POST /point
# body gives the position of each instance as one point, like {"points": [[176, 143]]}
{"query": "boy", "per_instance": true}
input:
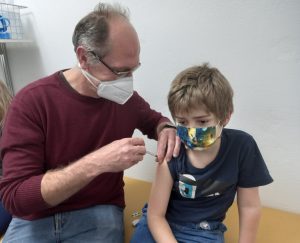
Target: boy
{"points": [[192, 193]]}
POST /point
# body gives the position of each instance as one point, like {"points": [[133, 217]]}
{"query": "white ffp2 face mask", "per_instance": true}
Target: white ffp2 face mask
{"points": [[119, 90]]}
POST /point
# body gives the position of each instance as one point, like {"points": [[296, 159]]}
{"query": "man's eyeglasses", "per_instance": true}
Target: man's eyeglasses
{"points": [[118, 73]]}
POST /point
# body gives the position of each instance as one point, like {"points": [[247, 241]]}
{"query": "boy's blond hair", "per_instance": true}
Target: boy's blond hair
{"points": [[201, 86], [5, 99]]}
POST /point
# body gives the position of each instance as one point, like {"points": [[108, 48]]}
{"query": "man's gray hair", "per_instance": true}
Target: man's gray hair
{"points": [[92, 31]]}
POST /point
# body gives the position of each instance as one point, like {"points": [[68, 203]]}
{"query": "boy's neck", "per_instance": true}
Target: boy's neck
{"points": [[200, 159]]}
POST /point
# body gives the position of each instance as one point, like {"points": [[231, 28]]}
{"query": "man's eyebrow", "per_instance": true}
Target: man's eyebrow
{"points": [[121, 69], [125, 69]]}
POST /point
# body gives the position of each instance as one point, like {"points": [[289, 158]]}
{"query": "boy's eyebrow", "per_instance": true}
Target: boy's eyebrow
{"points": [[204, 116], [178, 117], [194, 117]]}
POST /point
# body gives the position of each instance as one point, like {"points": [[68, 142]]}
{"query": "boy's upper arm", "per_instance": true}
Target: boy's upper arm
{"points": [[248, 197], [161, 190]]}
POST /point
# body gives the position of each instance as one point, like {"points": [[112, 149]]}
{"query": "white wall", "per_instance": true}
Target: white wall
{"points": [[254, 43]]}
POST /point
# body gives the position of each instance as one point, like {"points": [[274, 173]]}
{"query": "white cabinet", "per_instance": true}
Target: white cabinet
{"points": [[11, 31]]}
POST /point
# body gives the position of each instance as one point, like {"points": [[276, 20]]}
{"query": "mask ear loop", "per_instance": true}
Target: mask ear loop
{"points": [[87, 75], [220, 128]]}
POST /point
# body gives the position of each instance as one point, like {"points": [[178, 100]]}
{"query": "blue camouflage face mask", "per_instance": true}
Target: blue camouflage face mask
{"points": [[199, 138]]}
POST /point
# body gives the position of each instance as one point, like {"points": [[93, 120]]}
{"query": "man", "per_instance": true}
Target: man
{"points": [[68, 139]]}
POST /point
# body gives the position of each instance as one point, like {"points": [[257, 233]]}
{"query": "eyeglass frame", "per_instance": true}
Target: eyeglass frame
{"points": [[120, 73]]}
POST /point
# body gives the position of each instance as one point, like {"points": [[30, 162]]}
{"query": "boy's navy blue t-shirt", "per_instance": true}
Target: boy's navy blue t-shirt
{"points": [[206, 194]]}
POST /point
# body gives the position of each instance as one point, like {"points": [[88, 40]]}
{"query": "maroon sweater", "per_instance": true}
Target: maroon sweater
{"points": [[50, 125]]}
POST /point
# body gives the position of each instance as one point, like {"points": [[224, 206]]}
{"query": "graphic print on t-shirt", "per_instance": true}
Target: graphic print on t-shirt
{"points": [[187, 186], [190, 187]]}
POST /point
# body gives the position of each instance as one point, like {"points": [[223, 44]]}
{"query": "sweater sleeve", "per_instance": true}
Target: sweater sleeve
{"points": [[23, 155]]}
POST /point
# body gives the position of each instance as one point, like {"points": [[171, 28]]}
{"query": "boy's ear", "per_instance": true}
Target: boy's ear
{"points": [[227, 119]]}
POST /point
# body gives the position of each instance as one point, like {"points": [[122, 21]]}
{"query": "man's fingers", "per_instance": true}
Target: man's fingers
{"points": [[170, 148], [140, 150], [161, 148], [137, 141], [177, 146]]}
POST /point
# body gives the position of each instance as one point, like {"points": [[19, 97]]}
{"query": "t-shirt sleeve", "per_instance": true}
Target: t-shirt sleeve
{"points": [[253, 171], [176, 163], [172, 167]]}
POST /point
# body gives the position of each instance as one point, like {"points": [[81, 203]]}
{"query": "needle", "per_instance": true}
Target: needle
{"points": [[152, 154]]}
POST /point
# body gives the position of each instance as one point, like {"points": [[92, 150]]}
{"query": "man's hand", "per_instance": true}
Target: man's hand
{"points": [[168, 144], [60, 184], [120, 154]]}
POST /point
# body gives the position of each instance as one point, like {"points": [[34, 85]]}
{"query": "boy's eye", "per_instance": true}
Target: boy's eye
{"points": [[202, 122], [181, 123]]}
